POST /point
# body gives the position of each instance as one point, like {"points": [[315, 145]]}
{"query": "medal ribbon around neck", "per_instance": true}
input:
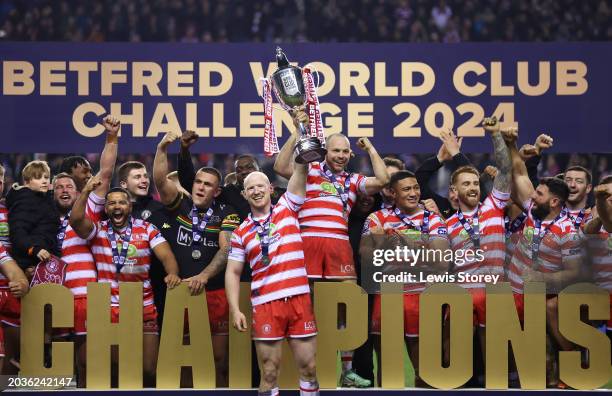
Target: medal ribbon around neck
{"points": [[119, 258]]}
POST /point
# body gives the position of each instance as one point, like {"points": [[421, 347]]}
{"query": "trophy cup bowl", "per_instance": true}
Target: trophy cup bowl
{"points": [[289, 87]]}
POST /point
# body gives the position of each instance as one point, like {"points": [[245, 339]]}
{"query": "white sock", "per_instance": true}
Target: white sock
{"points": [[347, 360], [271, 392], [309, 388]]}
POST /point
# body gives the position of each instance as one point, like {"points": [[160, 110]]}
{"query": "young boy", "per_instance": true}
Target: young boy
{"points": [[33, 216]]}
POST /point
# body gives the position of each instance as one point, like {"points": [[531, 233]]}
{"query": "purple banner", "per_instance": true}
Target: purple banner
{"points": [[52, 95]]}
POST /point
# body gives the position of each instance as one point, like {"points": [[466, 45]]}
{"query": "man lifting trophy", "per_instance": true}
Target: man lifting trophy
{"points": [[294, 87]]}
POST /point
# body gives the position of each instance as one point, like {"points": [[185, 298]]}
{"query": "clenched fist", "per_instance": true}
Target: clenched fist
{"points": [[491, 124], [111, 124]]}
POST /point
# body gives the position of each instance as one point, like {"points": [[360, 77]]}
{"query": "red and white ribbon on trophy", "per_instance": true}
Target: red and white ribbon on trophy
{"points": [[312, 107], [270, 139]]}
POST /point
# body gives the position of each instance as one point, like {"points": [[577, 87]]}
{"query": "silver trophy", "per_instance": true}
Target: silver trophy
{"points": [[288, 86]]}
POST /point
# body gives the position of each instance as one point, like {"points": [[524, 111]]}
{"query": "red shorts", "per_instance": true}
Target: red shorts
{"points": [[10, 309], [329, 258], [291, 317], [479, 305], [149, 319], [411, 315], [218, 313], [80, 319]]}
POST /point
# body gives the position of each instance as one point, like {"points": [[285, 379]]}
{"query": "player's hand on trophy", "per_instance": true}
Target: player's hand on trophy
{"points": [[188, 138], [168, 139], [364, 144], [510, 134], [491, 124], [239, 321], [543, 142], [299, 116]]}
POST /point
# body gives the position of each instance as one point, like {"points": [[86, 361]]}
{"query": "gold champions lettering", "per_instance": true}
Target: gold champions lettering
{"points": [[346, 79], [577, 304]]}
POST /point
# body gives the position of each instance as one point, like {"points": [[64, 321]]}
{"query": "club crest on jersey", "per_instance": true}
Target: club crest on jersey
{"points": [[266, 328], [328, 188], [528, 233], [412, 233], [4, 229]]}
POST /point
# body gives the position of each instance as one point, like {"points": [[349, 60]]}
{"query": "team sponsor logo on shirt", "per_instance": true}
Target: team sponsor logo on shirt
{"points": [[145, 214], [184, 238], [328, 188]]}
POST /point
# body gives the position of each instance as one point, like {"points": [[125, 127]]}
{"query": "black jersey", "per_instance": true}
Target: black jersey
{"points": [[175, 226]]}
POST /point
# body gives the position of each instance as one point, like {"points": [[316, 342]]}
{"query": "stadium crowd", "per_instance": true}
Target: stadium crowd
{"points": [[207, 21]]}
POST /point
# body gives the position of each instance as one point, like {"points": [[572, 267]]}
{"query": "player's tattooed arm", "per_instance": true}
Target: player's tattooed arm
{"points": [[503, 179]]}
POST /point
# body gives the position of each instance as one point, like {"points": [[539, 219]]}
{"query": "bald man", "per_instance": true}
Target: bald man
{"points": [[331, 193]]}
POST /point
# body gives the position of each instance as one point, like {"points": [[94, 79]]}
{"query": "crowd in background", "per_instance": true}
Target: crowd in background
{"points": [[192, 21]]}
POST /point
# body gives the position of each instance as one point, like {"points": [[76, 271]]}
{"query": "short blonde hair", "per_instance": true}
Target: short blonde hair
{"points": [[35, 170]]}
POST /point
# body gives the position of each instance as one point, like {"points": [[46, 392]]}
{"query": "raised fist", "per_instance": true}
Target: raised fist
{"points": [[490, 124], [491, 171], [543, 142], [93, 183], [111, 124], [527, 151], [364, 144], [168, 139], [510, 134], [188, 139]]}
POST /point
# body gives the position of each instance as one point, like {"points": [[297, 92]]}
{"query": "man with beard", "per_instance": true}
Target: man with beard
{"points": [[578, 180], [331, 195], [78, 168], [406, 224], [599, 241], [199, 229], [133, 177], [122, 247], [477, 226], [75, 251], [269, 242], [449, 152], [548, 250]]}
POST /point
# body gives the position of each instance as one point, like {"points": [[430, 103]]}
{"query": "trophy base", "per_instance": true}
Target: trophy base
{"points": [[308, 149]]}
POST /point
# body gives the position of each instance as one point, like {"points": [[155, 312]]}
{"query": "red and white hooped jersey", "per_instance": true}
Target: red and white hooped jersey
{"points": [[76, 253], [285, 274], [322, 214], [390, 222], [492, 233], [561, 243], [145, 237], [4, 257], [599, 248], [4, 238]]}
